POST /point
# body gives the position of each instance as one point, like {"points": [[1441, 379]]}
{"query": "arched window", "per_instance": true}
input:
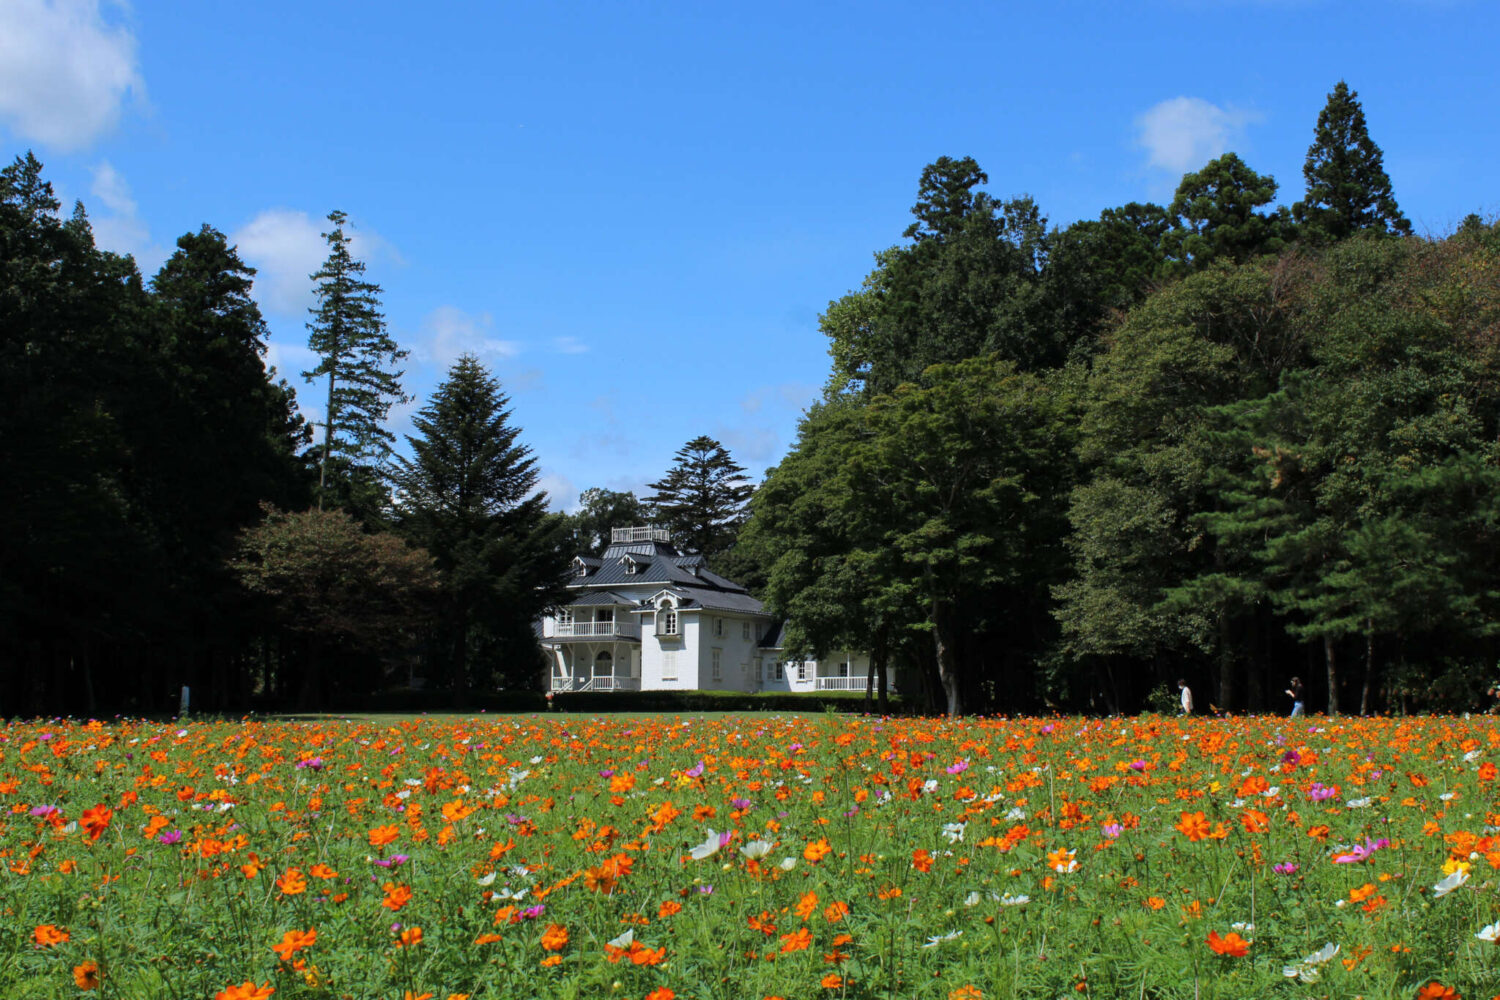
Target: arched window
{"points": [[666, 618], [604, 664]]}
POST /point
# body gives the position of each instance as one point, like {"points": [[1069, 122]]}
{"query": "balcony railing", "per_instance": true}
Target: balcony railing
{"points": [[630, 630], [843, 683], [646, 534], [596, 684]]}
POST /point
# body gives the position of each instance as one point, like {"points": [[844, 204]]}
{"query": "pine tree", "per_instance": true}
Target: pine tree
{"points": [[468, 495], [1348, 190], [1214, 216], [703, 497], [348, 332]]}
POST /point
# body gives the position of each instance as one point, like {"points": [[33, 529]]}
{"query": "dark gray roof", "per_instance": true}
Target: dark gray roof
{"points": [[589, 560], [600, 597], [649, 548], [775, 638], [719, 600]]}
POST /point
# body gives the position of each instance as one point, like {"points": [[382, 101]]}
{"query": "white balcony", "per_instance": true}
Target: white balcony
{"points": [[647, 534], [598, 630], [842, 683], [596, 683]]}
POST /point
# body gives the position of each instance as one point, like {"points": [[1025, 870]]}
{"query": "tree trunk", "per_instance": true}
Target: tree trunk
{"points": [[327, 443], [1333, 675], [946, 663], [1226, 697], [1364, 691]]}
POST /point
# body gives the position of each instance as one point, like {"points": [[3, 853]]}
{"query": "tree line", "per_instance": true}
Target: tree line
{"points": [[1217, 439], [1052, 467]]}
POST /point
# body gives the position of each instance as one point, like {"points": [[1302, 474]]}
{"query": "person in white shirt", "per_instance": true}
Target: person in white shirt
{"points": [[1187, 696]]}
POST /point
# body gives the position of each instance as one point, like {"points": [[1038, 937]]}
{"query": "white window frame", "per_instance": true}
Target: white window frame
{"points": [[803, 671], [669, 665], [564, 616], [778, 672], [716, 656]]}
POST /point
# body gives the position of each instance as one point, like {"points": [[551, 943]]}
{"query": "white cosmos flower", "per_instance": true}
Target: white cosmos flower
{"points": [[1363, 803], [972, 899], [1019, 900], [954, 831], [930, 785], [756, 849], [1451, 882], [487, 881], [933, 942], [787, 864], [1448, 796], [1490, 933], [709, 847], [623, 941], [1309, 969], [1016, 814]]}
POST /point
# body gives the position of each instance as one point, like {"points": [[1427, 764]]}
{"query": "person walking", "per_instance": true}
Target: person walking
{"points": [[1187, 696], [1295, 690]]}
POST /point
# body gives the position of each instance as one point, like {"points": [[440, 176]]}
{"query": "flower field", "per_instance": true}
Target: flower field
{"points": [[752, 857]]}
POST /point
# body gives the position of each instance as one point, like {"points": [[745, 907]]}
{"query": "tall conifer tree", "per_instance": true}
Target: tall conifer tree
{"points": [[468, 495], [348, 332], [1348, 190], [703, 497]]}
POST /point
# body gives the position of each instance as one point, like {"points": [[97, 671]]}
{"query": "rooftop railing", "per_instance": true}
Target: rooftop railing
{"points": [[646, 534]]}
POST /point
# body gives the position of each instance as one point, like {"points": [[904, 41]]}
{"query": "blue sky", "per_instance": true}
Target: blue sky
{"points": [[634, 212]]}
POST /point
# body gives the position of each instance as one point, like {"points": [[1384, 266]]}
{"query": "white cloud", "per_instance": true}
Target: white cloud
{"points": [[448, 331], [286, 246], [1184, 133], [569, 345], [562, 495], [120, 228], [65, 71]]}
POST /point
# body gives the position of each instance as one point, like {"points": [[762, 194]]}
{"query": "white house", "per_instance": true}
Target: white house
{"points": [[646, 617]]}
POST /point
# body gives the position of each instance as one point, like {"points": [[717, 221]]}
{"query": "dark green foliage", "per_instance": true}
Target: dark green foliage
{"points": [[702, 498], [349, 334], [1214, 217], [1348, 191], [468, 495], [1099, 268], [967, 285], [353, 600], [599, 512]]}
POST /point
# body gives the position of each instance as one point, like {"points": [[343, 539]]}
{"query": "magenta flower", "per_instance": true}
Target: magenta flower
{"points": [[170, 837], [1113, 830], [958, 767], [1285, 868]]}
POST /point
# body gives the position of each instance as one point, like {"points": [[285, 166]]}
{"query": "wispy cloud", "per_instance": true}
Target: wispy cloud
{"points": [[119, 227], [286, 246], [448, 332], [1184, 133], [65, 71], [569, 345]]}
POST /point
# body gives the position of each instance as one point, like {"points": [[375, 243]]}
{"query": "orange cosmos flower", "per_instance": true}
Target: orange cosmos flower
{"points": [[1255, 821], [921, 860], [86, 976], [382, 835], [291, 882], [1231, 945], [49, 936], [323, 871], [668, 908], [1193, 826], [245, 991], [817, 850], [798, 940], [409, 937], [806, 905], [834, 912], [1437, 991], [832, 981], [661, 993], [96, 820], [396, 896], [555, 938], [294, 941], [966, 993]]}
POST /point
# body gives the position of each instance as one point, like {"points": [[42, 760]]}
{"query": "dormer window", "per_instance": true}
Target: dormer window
{"points": [[631, 568], [666, 618]]}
